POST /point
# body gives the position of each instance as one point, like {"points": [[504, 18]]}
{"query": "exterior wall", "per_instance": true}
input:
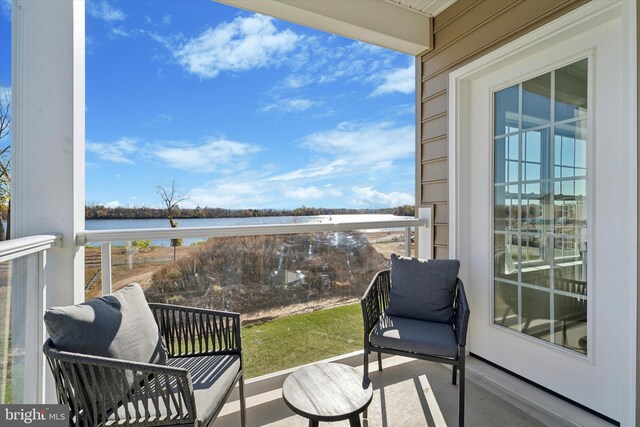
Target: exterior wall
{"points": [[462, 33]]}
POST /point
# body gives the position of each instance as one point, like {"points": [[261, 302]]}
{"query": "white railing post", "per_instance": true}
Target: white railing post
{"points": [[28, 275], [105, 263], [424, 242], [407, 241], [26, 260]]}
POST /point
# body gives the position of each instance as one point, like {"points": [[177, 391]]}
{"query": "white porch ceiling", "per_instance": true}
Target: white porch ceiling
{"points": [[402, 25], [425, 7]]}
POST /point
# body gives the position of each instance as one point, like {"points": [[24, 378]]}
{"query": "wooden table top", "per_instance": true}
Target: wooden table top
{"points": [[327, 392]]}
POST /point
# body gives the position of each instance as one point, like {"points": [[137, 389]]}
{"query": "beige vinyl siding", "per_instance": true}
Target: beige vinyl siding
{"points": [[463, 32]]}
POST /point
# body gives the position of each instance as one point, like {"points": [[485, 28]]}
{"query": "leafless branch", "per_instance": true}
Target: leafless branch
{"points": [[5, 113], [170, 197]]}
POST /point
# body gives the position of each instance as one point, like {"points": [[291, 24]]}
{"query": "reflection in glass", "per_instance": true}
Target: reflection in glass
{"points": [[506, 256], [571, 91], [506, 156], [506, 211], [570, 150], [540, 217], [506, 305], [535, 313], [506, 111], [536, 101]]}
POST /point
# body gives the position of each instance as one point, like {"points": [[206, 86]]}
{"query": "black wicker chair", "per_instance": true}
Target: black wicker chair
{"points": [[204, 365], [425, 340]]}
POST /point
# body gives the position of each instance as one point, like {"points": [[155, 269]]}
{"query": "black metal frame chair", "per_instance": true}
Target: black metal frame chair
{"points": [[374, 304], [97, 390]]}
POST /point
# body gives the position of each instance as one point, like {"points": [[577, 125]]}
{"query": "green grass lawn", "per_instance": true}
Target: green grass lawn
{"points": [[302, 338]]}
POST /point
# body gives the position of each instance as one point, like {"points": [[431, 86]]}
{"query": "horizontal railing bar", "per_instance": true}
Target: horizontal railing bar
{"points": [[16, 248], [89, 236]]}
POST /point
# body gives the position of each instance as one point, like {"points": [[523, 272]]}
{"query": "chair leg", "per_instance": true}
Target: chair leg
{"points": [[461, 388], [379, 361], [454, 375], [243, 404], [366, 361]]}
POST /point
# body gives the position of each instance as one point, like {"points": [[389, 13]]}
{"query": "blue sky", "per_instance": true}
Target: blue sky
{"points": [[242, 110]]}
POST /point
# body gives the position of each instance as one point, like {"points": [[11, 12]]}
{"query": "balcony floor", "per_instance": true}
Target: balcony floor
{"points": [[412, 392]]}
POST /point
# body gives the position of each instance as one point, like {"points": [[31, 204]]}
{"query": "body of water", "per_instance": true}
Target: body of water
{"points": [[119, 224]]}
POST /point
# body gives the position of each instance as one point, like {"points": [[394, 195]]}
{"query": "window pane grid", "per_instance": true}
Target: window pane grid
{"points": [[540, 207]]}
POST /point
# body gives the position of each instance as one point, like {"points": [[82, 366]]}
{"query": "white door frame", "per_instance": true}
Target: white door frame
{"points": [[566, 26]]}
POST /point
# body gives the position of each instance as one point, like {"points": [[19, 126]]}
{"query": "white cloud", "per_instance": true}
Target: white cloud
{"points": [[118, 32], [245, 193], [354, 147], [369, 197], [159, 120], [311, 171], [364, 143], [250, 190], [119, 151], [289, 105], [112, 204], [401, 80], [164, 20], [312, 193], [217, 155], [318, 62], [103, 10], [242, 44], [5, 7], [5, 92]]}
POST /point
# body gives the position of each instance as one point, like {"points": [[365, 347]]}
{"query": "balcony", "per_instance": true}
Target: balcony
{"points": [[408, 392], [411, 392]]}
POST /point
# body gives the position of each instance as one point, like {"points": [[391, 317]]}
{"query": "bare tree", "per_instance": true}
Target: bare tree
{"points": [[171, 198], [5, 161]]}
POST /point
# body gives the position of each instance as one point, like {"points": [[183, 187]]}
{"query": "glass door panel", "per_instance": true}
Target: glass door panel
{"points": [[540, 215]]}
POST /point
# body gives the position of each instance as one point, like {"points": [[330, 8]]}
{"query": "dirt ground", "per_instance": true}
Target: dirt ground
{"points": [[122, 273]]}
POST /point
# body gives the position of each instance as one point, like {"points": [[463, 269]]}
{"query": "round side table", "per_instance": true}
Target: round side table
{"points": [[327, 392]]}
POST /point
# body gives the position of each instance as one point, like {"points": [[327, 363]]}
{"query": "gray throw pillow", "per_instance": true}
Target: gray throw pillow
{"points": [[119, 325], [422, 289]]}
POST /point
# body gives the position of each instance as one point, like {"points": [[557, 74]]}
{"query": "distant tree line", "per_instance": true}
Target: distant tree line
{"points": [[97, 211]]}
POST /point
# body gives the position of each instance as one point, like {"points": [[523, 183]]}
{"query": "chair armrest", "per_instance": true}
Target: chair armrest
{"points": [[131, 393], [375, 299], [462, 312], [189, 331]]}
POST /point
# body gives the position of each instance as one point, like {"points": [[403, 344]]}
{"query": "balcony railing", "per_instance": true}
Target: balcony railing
{"points": [[23, 288], [107, 237], [22, 300]]}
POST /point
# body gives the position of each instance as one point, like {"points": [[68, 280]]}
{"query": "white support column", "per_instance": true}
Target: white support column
{"points": [[47, 151], [48, 135]]}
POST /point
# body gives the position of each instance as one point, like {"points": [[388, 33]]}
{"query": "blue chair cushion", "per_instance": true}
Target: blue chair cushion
{"points": [[422, 289], [212, 377], [415, 336], [119, 326]]}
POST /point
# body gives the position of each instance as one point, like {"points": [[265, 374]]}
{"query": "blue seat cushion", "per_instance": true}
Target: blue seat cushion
{"points": [[415, 336], [422, 289], [212, 377], [118, 325]]}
